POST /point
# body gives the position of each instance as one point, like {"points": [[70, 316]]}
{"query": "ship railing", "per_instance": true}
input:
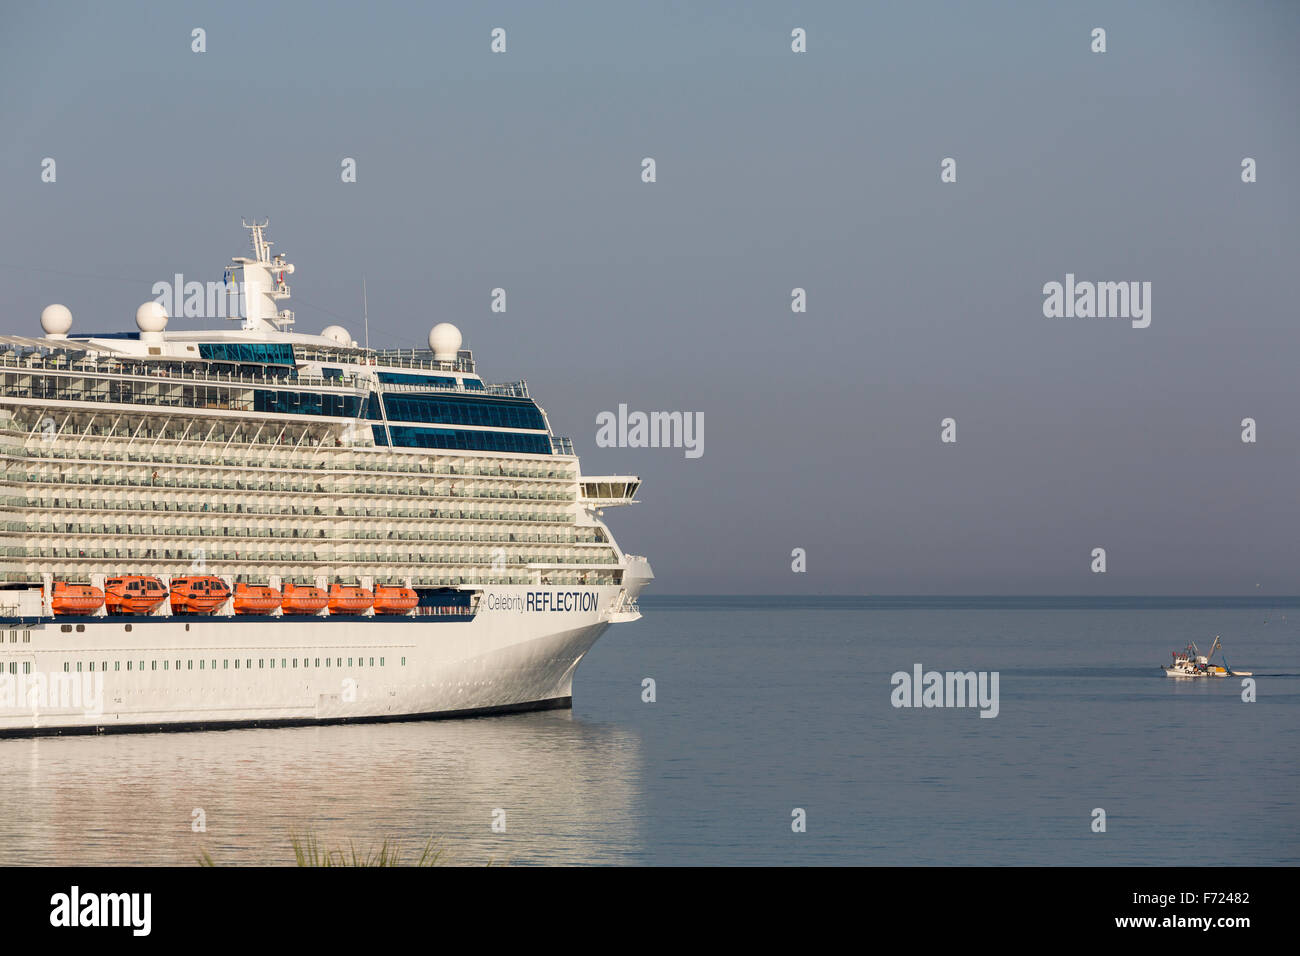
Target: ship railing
{"points": [[41, 453], [153, 371], [423, 358], [507, 389], [249, 556], [101, 390], [625, 604]]}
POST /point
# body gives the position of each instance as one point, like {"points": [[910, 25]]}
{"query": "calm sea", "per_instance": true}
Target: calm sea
{"points": [[763, 705]]}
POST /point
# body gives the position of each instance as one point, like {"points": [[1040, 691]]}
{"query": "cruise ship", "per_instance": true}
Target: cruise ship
{"points": [[252, 526]]}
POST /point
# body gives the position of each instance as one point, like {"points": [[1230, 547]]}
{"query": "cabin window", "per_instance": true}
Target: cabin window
{"points": [[318, 662], [27, 667], [128, 627], [381, 662], [117, 665], [80, 628], [66, 628], [372, 662], [403, 661], [78, 667], [282, 662], [225, 664], [65, 667], [236, 663]]}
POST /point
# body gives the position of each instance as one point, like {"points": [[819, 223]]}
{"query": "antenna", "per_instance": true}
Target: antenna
{"points": [[365, 310]]}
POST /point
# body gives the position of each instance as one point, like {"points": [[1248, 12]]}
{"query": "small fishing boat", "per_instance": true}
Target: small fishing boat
{"points": [[256, 599], [198, 594], [394, 600], [303, 599], [1191, 663], [349, 599], [68, 598], [134, 594]]}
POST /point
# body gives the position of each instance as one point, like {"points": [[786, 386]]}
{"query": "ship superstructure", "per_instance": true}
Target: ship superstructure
{"points": [[435, 514]]}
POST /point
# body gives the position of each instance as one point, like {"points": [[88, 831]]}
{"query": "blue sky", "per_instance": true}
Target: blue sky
{"points": [[775, 170]]}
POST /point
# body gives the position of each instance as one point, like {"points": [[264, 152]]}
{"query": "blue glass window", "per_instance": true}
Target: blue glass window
{"points": [[265, 353], [306, 403], [402, 378], [455, 410], [444, 597], [407, 437]]}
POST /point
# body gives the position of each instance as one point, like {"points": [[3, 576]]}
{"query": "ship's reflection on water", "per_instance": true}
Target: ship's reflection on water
{"points": [[570, 791]]}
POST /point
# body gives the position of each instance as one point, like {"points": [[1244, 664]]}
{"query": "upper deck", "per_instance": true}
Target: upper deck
{"points": [[396, 398], [267, 454]]}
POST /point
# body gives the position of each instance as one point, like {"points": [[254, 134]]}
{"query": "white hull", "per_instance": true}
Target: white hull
{"points": [[511, 656], [1190, 675]]}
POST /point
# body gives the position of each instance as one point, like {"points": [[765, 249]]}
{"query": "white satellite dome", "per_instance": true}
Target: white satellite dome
{"points": [[151, 317], [55, 321], [444, 339], [338, 334]]}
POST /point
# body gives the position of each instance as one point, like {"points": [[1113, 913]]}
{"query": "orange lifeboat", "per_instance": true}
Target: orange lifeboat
{"points": [[76, 598], [199, 594], [301, 599], [347, 599], [256, 599], [134, 594], [394, 600]]}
